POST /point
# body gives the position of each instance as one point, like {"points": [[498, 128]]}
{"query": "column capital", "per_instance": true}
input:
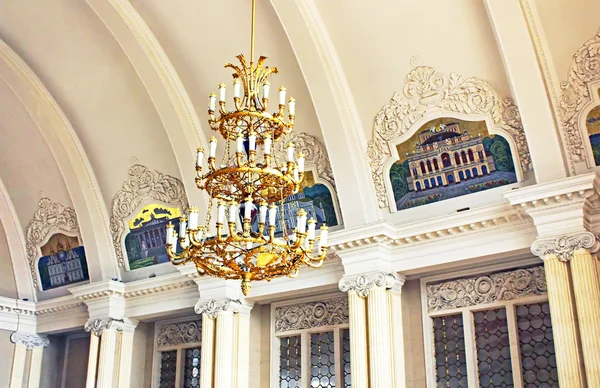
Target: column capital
{"points": [[213, 307], [563, 246], [362, 283], [97, 326], [30, 340]]}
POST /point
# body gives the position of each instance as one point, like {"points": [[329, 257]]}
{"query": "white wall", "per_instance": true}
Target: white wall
{"points": [[8, 287], [52, 363], [76, 362], [413, 334], [6, 351]]}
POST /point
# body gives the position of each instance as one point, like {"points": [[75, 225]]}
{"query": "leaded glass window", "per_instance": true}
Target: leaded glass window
{"points": [[346, 357], [191, 369], [536, 341], [322, 360], [168, 369], [493, 350], [290, 362], [449, 337]]}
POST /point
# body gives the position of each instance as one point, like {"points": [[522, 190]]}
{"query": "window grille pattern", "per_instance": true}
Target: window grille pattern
{"points": [[322, 360], [346, 357], [289, 362], [536, 341], [191, 371], [449, 341], [168, 369], [493, 349]]}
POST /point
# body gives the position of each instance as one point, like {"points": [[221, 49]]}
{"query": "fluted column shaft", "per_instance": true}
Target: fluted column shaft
{"points": [[35, 367], [18, 366], [126, 356], [380, 350], [242, 330], [359, 371], [108, 358], [586, 287], [564, 323], [224, 350], [208, 348], [396, 327], [92, 361]]}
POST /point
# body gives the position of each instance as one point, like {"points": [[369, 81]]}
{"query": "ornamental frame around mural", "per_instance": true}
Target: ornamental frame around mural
{"points": [[428, 95], [577, 96], [48, 219], [132, 197], [39, 246]]}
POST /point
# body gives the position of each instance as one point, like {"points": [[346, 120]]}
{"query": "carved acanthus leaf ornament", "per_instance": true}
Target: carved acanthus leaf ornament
{"points": [[575, 95], [426, 90], [180, 333], [311, 315], [486, 289], [49, 217], [29, 340], [142, 184], [564, 246], [362, 283], [213, 307]]}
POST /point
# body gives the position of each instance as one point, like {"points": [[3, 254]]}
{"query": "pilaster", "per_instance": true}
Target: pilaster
{"points": [[25, 343]]}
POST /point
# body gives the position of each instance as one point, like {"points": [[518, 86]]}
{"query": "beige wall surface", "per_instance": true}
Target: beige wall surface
{"points": [[6, 352], [260, 346], [413, 334], [138, 364], [148, 357], [76, 362], [8, 287], [53, 362]]}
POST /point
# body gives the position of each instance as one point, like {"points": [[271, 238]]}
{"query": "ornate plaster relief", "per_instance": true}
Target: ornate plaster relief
{"points": [[311, 315], [564, 246], [180, 333], [428, 94], [141, 185]]}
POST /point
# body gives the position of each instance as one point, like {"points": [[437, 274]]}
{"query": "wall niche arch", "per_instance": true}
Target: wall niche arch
{"points": [[428, 95]]}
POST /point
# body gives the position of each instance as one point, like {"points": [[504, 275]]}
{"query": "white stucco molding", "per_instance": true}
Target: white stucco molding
{"points": [[564, 246], [16, 246], [71, 159], [29, 340], [334, 103], [162, 82]]}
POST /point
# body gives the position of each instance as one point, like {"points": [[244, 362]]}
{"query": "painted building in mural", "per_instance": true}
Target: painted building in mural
{"points": [[145, 243], [63, 262], [445, 155], [592, 123], [448, 158]]}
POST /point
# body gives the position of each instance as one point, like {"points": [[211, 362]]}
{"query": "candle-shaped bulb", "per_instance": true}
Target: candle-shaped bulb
{"points": [[312, 224], [252, 141], [262, 212], [222, 89], [232, 211], [212, 102], [296, 175], [199, 157], [266, 89], [237, 88], [290, 152], [175, 240], [248, 208], [221, 213], [182, 225], [193, 218], [267, 143], [300, 162], [272, 214], [170, 230], [292, 106], [301, 221], [323, 236], [213, 147], [240, 143], [282, 95]]}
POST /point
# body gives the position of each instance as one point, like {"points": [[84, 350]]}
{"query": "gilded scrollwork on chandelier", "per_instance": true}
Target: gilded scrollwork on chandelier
{"points": [[426, 90]]}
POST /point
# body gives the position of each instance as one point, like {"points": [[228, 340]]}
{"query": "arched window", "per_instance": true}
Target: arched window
{"points": [[429, 166], [457, 158], [432, 180], [426, 184], [475, 173], [480, 156], [484, 170], [422, 168], [461, 175], [463, 156], [468, 174], [418, 184], [440, 181], [446, 160], [450, 178], [435, 165], [471, 157]]}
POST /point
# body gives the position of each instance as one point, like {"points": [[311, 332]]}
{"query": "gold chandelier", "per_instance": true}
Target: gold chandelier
{"points": [[248, 245]]}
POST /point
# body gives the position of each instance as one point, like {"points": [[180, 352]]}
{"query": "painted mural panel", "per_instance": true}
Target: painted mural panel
{"points": [[63, 262], [145, 242], [448, 158], [593, 127], [315, 198]]}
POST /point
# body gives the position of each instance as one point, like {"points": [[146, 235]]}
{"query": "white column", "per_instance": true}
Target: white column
{"points": [[380, 349], [396, 327], [92, 361], [224, 346], [208, 352], [35, 367], [518, 52], [23, 343], [126, 355], [108, 358], [359, 370], [18, 367], [243, 349]]}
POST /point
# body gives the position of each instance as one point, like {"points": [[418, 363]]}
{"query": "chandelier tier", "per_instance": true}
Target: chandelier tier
{"points": [[254, 237]]}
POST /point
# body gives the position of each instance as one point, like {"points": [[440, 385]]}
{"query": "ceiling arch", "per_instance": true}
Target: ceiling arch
{"points": [[70, 157]]}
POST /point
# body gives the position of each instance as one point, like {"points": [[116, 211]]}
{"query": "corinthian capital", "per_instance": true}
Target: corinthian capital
{"points": [[362, 283], [564, 246], [29, 340]]}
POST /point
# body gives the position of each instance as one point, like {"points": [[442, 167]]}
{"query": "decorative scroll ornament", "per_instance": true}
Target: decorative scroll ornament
{"points": [[180, 333], [48, 217], [486, 289], [585, 69], [362, 283], [314, 152], [424, 90], [29, 340], [215, 306], [142, 184], [564, 246], [97, 326], [311, 315]]}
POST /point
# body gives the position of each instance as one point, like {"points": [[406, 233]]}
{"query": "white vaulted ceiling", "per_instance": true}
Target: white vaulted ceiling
{"points": [[131, 78]]}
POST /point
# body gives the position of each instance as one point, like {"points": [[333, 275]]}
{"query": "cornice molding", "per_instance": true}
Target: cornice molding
{"points": [[558, 192], [29, 340], [363, 283], [564, 246]]}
